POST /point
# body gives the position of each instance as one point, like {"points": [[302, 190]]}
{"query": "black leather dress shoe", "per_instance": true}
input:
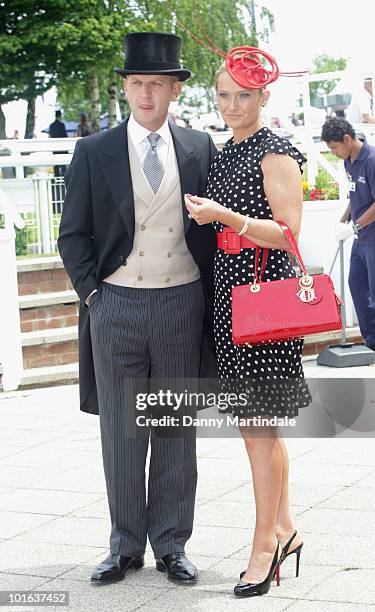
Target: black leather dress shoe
{"points": [[114, 568], [179, 568]]}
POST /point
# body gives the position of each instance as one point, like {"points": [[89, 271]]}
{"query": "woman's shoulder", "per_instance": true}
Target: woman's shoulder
{"points": [[277, 145]]}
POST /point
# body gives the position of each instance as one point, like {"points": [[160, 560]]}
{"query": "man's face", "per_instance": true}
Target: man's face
{"points": [[149, 96], [343, 149]]}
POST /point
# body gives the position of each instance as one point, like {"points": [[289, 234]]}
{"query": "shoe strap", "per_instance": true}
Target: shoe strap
{"points": [[287, 545]]}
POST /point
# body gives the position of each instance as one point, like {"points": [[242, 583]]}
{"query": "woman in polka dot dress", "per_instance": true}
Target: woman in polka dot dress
{"points": [[257, 178]]}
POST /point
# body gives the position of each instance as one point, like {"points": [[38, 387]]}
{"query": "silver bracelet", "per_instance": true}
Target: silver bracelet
{"points": [[245, 226]]}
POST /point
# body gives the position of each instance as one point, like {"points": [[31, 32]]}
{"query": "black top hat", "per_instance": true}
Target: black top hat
{"points": [[153, 53]]}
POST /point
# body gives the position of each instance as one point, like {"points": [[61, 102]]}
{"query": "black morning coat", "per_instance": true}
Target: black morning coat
{"points": [[97, 229]]}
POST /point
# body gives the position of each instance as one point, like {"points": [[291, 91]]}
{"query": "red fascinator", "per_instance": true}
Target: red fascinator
{"points": [[244, 64]]}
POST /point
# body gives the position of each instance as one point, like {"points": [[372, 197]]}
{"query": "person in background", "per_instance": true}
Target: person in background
{"points": [[16, 135], [57, 129], [360, 109], [358, 219], [83, 128]]}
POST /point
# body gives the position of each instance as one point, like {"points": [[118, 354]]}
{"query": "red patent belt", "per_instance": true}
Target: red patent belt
{"points": [[231, 242]]}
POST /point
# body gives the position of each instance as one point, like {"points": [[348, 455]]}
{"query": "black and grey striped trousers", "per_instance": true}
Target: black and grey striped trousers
{"points": [[140, 334]]}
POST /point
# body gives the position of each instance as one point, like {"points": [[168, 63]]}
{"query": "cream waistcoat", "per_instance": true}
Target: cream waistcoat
{"points": [[160, 256]]}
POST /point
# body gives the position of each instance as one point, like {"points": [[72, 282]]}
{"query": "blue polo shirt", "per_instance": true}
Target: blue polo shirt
{"points": [[361, 174]]}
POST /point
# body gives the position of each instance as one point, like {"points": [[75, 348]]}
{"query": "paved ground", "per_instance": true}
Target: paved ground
{"points": [[54, 521]]}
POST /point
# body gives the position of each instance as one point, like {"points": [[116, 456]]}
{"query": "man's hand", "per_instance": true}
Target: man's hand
{"points": [[343, 231]]}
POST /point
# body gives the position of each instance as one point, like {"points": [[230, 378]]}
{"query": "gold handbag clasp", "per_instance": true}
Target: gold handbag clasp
{"points": [[306, 293]]}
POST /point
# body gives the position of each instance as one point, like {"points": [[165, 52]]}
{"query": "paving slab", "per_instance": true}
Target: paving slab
{"points": [[56, 503], [344, 451], [22, 476], [351, 498], [327, 606], [16, 523], [354, 586], [108, 598], [330, 521], [87, 479], [182, 600], [18, 556], [55, 458], [68, 530], [98, 509], [325, 473]]}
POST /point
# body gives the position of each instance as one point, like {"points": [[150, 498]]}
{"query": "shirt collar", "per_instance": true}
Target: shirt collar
{"points": [[138, 133], [363, 152]]}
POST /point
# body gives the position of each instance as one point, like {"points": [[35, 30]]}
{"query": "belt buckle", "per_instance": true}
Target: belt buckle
{"points": [[231, 241]]}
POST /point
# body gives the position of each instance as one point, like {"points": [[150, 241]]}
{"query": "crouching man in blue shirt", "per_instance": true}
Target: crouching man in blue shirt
{"points": [[359, 161]]}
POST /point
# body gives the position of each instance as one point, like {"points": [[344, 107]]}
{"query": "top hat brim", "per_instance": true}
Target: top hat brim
{"points": [[181, 73]]}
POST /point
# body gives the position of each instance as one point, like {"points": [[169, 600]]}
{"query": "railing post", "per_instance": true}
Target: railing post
{"points": [[10, 327], [312, 165], [44, 211]]}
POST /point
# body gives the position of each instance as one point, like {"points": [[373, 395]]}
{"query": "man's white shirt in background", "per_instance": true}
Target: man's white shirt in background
{"points": [[360, 105]]}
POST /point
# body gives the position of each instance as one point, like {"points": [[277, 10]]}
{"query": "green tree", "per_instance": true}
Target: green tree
{"points": [[76, 43], [92, 41], [29, 51], [325, 63], [43, 43], [222, 20]]}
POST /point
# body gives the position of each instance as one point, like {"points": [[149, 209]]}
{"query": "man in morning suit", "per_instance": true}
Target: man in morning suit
{"points": [[143, 271]]}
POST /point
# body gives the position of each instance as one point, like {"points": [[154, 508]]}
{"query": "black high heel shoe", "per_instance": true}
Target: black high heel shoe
{"points": [[251, 589], [285, 552]]}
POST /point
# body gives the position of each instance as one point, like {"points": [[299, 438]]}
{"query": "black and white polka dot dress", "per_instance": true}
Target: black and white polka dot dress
{"points": [[236, 181]]}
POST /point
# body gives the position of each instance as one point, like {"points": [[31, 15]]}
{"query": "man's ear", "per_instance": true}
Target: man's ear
{"points": [[125, 84], [347, 139], [177, 87]]}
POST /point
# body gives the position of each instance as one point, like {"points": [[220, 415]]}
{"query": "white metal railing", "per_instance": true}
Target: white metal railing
{"points": [[39, 200], [10, 327], [40, 197], [36, 153]]}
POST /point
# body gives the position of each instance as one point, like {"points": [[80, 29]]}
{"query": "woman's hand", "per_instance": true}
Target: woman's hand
{"points": [[203, 210]]}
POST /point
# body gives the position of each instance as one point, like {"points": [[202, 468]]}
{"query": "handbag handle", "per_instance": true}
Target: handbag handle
{"points": [[293, 247], [293, 244]]}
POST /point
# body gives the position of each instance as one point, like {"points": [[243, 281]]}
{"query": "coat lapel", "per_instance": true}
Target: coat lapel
{"points": [[188, 166], [114, 160]]}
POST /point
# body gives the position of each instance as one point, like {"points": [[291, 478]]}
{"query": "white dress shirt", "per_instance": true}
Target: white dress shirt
{"points": [[138, 135]]}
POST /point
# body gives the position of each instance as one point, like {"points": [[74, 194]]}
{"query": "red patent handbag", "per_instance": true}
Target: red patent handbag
{"points": [[284, 309]]}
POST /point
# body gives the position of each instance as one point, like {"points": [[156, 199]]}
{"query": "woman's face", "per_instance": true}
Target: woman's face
{"points": [[239, 107]]}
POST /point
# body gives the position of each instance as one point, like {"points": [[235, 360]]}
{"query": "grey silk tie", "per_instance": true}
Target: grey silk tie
{"points": [[152, 166]]}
